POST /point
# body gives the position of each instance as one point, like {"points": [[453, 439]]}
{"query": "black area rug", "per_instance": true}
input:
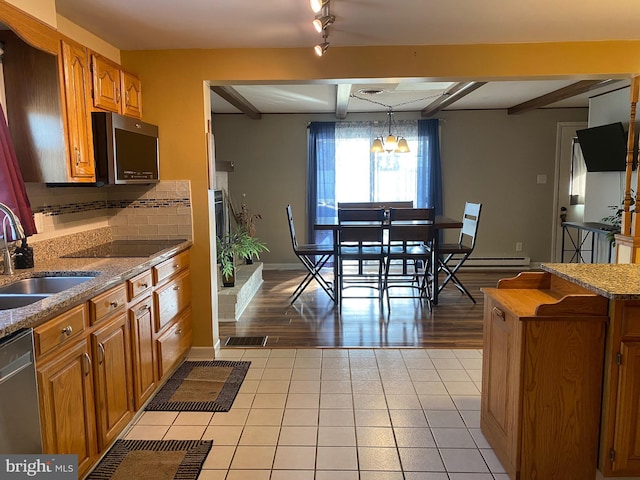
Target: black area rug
{"points": [[153, 460], [206, 386]]}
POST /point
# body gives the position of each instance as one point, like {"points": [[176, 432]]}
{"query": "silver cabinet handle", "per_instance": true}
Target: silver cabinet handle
{"points": [[114, 304], [178, 331], [67, 331], [499, 313], [143, 309], [144, 285], [177, 287]]}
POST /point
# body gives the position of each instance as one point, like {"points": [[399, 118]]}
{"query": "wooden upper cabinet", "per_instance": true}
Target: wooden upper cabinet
{"points": [[106, 84], [131, 94], [115, 90], [76, 78]]}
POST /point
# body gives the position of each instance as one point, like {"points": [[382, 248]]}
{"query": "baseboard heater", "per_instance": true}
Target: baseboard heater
{"points": [[498, 262]]}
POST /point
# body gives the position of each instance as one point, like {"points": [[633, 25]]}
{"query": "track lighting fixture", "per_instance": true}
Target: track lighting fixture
{"points": [[321, 23], [321, 48], [317, 5]]}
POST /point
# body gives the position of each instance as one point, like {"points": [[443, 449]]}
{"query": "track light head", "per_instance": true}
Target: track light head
{"points": [[321, 48], [322, 23], [317, 5]]}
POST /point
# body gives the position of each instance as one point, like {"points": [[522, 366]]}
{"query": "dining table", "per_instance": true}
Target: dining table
{"points": [[440, 223]]}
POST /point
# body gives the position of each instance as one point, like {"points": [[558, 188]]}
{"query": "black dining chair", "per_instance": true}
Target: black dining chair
{"points": [[385, 205], [361, 250], [408, 257], [451, 256], [314, 257]]}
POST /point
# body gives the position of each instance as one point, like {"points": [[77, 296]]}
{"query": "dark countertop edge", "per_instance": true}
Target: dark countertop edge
{"points": [[591, 284], [108, 272]]}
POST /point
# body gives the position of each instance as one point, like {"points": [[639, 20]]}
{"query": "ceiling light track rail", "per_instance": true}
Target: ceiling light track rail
{"points": [[321, 23]]}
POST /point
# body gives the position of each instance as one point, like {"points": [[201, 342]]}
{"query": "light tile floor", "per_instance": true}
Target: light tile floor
{"points": [[343, 414]]}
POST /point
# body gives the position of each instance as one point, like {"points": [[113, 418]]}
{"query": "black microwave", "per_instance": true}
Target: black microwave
{"points": [[125, 149]]}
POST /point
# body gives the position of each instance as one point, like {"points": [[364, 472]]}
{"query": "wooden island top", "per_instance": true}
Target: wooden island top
{"points": [[612, 281]]}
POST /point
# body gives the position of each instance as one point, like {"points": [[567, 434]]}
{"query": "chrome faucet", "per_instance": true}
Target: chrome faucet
{"points": [[17, 233]]}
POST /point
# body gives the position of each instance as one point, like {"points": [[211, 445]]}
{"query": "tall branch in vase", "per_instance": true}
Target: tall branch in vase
{"points": [[244, 218]]}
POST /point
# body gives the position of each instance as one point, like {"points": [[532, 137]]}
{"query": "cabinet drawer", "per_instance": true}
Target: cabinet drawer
{"points": [[139, 285], [164, 270], [60, 330], [174, 343], [106, 303], [631, 320], [172, 298]]}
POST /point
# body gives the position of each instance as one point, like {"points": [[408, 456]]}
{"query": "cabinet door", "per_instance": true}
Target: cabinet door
{"points": [[112, 371], [65, 386], [501, 396], [627, 431], [174, 343], [131, 95], [106, 84], [144, 370], [75, 72]]}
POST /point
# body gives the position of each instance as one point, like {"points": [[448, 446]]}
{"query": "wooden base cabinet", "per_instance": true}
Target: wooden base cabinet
{"points": [[65, 387], [99, 362], [112, 372], [620, 437], [542, 376], [143, 351]]}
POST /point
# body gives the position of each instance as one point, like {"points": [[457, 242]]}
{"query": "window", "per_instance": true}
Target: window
{"points": [[362, 176], [342, 168]]}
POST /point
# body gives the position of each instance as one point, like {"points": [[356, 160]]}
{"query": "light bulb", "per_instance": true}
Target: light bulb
{"points": [[376, 146], [316, 5], [390, 144], [403, 146], [321, 48]]}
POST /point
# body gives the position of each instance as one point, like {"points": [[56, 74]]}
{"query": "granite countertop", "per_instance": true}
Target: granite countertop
{"points": [[108, 273], [613, 281]]}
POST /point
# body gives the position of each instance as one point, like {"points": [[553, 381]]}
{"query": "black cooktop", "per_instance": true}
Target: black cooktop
{"points": [[125, 248]]}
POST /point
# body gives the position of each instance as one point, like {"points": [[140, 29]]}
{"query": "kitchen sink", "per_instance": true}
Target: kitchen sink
{"points": [[8, 301], [42, 285]]}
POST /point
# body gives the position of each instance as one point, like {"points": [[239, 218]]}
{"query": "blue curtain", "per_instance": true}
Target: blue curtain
{"points": [[321, 195], [429, 169]]}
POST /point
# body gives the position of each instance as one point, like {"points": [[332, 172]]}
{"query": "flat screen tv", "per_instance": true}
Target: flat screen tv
{"points": [[604, 148]]}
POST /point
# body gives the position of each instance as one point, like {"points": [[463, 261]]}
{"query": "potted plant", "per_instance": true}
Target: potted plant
{"points": [[245, 220], [236, 245], [615, 219]]}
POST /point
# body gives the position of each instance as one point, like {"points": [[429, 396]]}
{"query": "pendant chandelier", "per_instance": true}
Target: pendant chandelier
{"points": [[391, 143]]}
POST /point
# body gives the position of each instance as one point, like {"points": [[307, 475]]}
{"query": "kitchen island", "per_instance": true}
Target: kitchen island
{"points": [[561, 372]]}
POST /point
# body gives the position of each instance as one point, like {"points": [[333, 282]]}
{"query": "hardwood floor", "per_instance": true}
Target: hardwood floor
{"points": [[313, 321]]}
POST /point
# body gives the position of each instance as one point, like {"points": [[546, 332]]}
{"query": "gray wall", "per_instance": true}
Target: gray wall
{"points": [[487, 156]]}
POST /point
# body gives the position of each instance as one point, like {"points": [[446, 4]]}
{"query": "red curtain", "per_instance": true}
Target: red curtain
{"points": [[12, 190]]}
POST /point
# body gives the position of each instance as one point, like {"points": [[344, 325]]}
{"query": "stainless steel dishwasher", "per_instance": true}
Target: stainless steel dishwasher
{"points": [[19, 410]]}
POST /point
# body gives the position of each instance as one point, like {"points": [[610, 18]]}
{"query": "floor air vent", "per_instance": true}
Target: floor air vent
{"points": [[246, 342]]}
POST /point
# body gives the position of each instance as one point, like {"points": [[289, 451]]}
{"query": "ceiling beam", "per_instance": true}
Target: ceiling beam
{"points": [[453, 94], [563, 93], [343, 94], [232, 96]]}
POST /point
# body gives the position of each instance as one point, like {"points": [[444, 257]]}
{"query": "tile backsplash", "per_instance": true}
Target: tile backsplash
{"points": [[160, 211]]}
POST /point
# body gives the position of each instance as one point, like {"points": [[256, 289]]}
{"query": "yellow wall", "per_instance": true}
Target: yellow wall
{"points": [[173, 98]]}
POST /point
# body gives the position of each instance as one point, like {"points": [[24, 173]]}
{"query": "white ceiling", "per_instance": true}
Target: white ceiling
{"points": [[163, 24]]}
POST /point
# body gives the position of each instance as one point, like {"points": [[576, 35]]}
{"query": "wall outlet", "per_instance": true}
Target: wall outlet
{"points": [[518, 246], [541, 179]]}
